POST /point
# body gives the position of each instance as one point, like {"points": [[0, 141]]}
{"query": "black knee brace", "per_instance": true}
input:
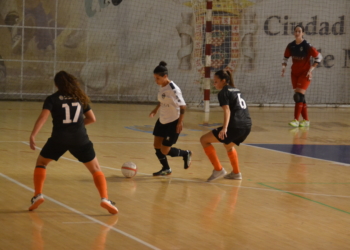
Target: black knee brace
{"points": [[298, 97]]}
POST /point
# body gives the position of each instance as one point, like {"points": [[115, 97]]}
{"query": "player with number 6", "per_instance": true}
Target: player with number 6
{"points": [[70, 111], [236, 126]]}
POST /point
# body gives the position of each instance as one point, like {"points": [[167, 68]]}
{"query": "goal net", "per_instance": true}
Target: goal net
{"points": [[112, 46]]}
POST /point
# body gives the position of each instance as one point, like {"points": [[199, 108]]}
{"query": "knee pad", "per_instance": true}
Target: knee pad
{"points": [[298, 97]]}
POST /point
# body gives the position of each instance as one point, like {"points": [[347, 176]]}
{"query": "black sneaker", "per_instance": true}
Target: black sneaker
{"points": [[187, 159], [163, 172]]}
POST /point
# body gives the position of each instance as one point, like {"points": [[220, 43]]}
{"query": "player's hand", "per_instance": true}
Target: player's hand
{"points": [[179, 127], [152, 114], [32, 142], [283, 71], [223, 133], [309, 75]]}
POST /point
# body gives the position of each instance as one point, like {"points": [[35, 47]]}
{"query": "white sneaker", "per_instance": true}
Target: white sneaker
{"points": [[233, 176], [36, 201], [109, 205], [294, 123], [304, 123], [217, 174]]}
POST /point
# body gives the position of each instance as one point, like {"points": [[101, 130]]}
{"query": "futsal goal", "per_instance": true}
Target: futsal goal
{"points": [[112, 46]]}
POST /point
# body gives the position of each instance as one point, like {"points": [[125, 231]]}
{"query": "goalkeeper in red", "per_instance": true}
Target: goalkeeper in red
{"points": [[301, 52]]}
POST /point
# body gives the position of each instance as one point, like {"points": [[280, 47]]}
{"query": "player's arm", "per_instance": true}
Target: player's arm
{"points": [[285, 60], [89, 117], [181, 119], [37, 127], [227, 114], [317, 59], [154, 111]]}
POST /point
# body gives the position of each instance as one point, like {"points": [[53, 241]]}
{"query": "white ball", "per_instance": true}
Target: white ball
{"points": [[129, 169]]}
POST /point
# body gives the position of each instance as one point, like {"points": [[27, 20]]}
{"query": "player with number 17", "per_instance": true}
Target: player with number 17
{"points": [[70, 111], [236, 126]]}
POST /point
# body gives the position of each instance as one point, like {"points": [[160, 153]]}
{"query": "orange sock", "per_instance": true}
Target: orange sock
{"points": [[39, 178], [211, 153], [100, 183], [234, 160]]}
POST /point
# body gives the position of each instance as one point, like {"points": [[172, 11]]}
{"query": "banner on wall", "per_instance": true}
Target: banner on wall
{"points": [[113, 46]]}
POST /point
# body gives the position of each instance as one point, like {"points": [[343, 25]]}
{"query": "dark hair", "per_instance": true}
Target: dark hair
{"points": [[225, 75], [301, 27], [68, 85], [161, 69]]}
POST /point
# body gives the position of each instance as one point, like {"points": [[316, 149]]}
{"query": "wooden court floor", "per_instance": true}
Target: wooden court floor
{"points": [[285, 201]]}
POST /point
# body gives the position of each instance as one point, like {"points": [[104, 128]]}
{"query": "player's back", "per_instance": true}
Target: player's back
{"points": [[240, 117], [67, 118]]}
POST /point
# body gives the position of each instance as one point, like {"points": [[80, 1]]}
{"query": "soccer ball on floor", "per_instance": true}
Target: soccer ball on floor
{"points": [[129, 169]]}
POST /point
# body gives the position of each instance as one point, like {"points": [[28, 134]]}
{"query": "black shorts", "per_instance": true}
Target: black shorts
{"points": [[53, 150], [167, 131], [235, 135]]}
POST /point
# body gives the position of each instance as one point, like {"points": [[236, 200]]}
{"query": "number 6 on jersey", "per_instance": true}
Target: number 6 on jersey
{"points": [[241, 101]]}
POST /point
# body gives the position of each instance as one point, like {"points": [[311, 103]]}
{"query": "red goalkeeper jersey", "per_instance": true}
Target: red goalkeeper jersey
{"points": [[301, 54]]}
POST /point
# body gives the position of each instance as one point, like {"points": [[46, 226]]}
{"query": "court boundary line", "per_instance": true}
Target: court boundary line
{"points": [[302, 197], [339, 163], [204, 182], [81, 214]]}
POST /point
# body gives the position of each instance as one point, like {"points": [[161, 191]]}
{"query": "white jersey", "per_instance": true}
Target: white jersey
{"points": [[170, 99]]}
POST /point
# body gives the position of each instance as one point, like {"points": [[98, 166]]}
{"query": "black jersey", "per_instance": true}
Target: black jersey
{"points": [[232, 97], [67, 119]]}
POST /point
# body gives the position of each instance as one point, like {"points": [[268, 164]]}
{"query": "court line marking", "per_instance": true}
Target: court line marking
{"points": [[81, 222], [302, 197], [81, 214], [339, 163], [310, 183], [204, 182]]}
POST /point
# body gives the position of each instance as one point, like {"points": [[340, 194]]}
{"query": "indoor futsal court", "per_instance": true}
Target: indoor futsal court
{"points": [[234, 71], [294, 193]]}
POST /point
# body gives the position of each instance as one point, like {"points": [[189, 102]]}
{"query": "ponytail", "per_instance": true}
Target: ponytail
{"points": [[225, 75], [231, 83]]}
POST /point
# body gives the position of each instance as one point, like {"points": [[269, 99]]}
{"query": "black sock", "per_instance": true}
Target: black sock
{"points": [[175, 152], [162, 159]]}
